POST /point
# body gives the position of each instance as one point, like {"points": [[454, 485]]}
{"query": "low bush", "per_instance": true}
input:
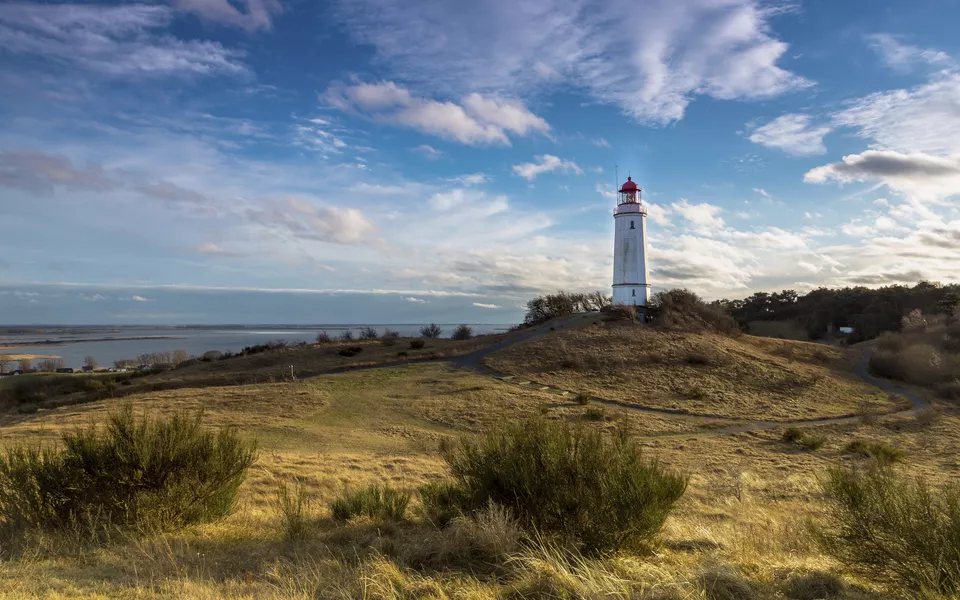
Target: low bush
{"points": [[462, 332], [443, 501], [368, 333], [346, 335], [887, 524], [389, 337], [590, 490], [595, 413], [293, 507], [949, 390], [620, 312], [683, 309], [582, 398], [724, 583], [324, 338], [346, 352], [881, 452], [803, 438], [815, 585], [417, 344], [403, 353], [699, 357], [136, 473], [431, 331], [381, 503]]}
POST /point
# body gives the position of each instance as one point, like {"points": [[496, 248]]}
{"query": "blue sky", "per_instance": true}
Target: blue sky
{"points": [[383, 161]]}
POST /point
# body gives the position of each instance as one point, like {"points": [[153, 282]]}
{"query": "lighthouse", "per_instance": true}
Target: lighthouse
{"points": [[630, 247]]}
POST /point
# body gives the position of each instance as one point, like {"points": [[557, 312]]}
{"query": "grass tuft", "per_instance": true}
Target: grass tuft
{"points": [[380, 503], [293, 507], [881, 452]]}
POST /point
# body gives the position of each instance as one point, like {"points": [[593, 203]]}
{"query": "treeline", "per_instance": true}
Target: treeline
{"points": [[869, 312], [561, 304]]}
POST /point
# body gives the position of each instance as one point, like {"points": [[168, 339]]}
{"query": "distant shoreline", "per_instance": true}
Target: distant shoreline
{"points": [[11, 345]]}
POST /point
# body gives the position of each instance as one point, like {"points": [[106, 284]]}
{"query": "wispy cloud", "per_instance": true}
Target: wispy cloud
{"points": [[903, 57], [482, 305], [794, 133], [257, 14], [546, 163]]}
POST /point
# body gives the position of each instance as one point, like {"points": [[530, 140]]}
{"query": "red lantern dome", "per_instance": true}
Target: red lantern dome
{"points": [[629, 186]]}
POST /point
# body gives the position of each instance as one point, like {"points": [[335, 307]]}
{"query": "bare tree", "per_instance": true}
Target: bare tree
{"points": [[179, 356], [49, 365], [5, 359], [25, 365], [90, 362], [431, 331]]}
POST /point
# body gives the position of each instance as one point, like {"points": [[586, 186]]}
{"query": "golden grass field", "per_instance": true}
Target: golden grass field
{"points": [[743, 518]]}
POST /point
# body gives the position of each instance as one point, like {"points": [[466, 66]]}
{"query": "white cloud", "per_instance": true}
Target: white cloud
{"points": [[546, 163], [601, 142], [902, 57], [922, 176], [762, 192], [701, 216], [606, 190], [39, 172], [114, 40], [212, 249], [429, 151], [470, 179], [920, 119], [301, 218], [482, 305], [136, 298], [478, 120], [792, 133], [415, 300], [724, 50], [257, 14]]}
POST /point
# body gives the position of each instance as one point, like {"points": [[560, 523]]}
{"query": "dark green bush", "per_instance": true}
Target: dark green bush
{"points": [[368, 333], [443, 501], [582, 398], [881, 452], [346, 352], [792, 434], [431, 331], [462, 332], [949, 390], [138, 473], [293, 507], [382, 503], [417, 344], [595, 413], [591, 490], [683, 309], [803, 438], [887, 524]]}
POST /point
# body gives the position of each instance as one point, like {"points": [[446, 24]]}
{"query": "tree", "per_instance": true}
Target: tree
{"points": [[25, 365], [179, 356], [90, 363], [5, 359], [431, 331], [49, 365], [462, 332]]}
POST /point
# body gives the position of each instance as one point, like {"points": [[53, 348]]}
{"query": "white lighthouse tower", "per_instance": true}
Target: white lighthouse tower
{"points": [[630, 248]]}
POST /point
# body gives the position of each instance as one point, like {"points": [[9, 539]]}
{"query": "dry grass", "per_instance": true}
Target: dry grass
{"points": [[707, 374], [745, 511]]}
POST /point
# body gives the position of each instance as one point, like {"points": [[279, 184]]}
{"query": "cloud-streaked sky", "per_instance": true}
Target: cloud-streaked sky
{"points": [[384, 161]]}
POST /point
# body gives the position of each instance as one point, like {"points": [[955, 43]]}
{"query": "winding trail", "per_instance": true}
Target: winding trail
{"points": [[474, 361]]}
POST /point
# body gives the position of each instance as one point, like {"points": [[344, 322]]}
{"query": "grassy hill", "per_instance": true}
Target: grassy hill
{"points": [[738, 533]]}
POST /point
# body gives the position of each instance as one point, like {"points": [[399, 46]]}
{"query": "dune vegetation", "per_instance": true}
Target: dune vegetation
{"points": [[432, 481]]}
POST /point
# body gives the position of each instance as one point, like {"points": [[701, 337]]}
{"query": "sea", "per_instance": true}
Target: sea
{"points": [[108, 343]]}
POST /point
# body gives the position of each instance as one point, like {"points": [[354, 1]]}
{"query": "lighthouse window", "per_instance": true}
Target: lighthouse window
{"points": [[631, 224]]}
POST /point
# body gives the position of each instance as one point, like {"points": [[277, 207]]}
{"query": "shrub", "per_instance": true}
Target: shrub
{"points": [[381, 503], [885, 523], [462, 332], [884, 363], [594, 413], [561, 304], [949, 390], [620, 312], [579, 485], [293, 507], [881, 452], [802, 438], [812, 442], [683, 309], [443, 501], [346, 335], [138, 473], [582, 398], [368, 333], [815, 585], [389, 337], [699, 357], [324, 338], [720, 583], [403, 353], [431, 331], [417, 344]]}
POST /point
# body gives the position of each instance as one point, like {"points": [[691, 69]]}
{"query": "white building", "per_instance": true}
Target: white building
{"points": [[630, 248]]}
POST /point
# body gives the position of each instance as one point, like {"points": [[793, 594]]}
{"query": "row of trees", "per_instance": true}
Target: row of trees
{"points": [[561, 304], [868, 311]]}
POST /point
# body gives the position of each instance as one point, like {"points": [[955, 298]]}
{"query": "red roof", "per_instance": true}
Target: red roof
{"points": [[630, 186]]}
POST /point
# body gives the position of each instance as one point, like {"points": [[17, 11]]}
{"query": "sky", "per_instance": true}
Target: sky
{"points": [[407, 161]]}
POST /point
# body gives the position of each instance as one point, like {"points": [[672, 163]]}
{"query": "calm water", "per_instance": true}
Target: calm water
{"points": [[194, 340]]}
